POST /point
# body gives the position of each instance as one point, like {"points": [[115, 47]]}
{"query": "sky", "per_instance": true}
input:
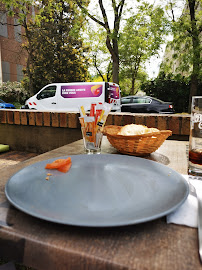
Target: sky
{"points": [[152, 66]]}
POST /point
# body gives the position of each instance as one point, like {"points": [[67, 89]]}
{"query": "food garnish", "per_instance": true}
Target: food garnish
{"points": [[62, 165], [65, 168]]}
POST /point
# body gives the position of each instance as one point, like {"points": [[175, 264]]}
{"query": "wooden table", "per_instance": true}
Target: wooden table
{"points": [[45, 245]]}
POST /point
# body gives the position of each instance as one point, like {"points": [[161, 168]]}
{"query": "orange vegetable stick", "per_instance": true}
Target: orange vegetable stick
{"points": [[65, 168], [58, 163]]}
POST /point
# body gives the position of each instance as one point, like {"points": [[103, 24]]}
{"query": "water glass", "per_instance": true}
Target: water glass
{"points": [[195, 139], [92, 142]]}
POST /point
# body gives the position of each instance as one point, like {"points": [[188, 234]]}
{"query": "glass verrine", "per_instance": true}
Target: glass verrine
{"points": [[195, 139], [92, 144], [92, 126]]}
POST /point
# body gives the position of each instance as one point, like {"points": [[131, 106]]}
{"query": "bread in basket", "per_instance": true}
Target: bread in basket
{"points": [[137, 145]]}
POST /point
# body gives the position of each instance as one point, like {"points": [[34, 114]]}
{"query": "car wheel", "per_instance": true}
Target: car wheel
{"points": [[24, 107]]}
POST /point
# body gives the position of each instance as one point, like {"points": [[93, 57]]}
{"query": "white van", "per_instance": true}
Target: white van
{"points": [[69, 96]]}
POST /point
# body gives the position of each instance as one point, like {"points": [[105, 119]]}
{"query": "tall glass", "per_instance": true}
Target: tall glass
{"points": [[92, 146], [195, 139], [92, 136], [92, 126]]}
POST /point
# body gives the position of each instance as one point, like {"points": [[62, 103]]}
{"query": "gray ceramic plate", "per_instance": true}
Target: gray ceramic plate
{"points": [[98, 191]]}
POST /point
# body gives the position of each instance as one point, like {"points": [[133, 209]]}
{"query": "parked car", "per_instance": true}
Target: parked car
{"points": [[4, 105], [145, 104]]}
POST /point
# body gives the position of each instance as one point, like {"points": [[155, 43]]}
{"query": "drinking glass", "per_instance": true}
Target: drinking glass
{"points": [[195, 139], [92, 143]]}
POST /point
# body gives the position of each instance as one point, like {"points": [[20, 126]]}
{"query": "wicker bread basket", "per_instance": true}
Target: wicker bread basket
{"points": [[137, 145]]}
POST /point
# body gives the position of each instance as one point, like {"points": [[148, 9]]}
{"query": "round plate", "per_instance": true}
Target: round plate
{"points": [[98, 191]]}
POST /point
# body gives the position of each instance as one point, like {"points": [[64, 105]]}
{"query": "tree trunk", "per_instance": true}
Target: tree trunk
{"points": [[29, 49], [109, 71], [112, 37], [96, 66], [31, 89], [116, 71], [193, 90], [112, 46], [196, 53], [134, 75], [133, 86]]}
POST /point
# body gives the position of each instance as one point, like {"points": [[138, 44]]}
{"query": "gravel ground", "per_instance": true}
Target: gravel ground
{"points": [[14, 157]]}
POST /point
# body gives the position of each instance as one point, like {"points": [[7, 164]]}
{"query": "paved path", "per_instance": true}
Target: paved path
{"points": [[14, 157]]}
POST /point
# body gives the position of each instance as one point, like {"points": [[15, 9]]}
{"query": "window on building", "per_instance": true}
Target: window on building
{"points": [[3, 25], [17, 30], [6, 71], [19, 73]]}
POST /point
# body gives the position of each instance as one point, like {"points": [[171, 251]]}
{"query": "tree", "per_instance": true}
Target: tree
{"points": [[195, 30], [20, 9], [100, 64], [55, 51], [112, 35], [58, 50], [141, 39], [169, 87], [186, 45]]}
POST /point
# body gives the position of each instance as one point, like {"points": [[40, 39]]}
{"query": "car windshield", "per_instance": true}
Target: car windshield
{"points": [[141, 100], [125, 100], [1, 101], [158, 100]]}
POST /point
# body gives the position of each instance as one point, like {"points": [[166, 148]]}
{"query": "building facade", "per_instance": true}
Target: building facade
{"points": [[12, 55]]}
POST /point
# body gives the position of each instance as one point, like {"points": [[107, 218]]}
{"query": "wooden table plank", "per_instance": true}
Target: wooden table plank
{"points": [[45, 245]]}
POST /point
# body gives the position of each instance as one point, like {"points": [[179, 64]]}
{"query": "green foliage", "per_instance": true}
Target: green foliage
{"points": [[186, 46], [111, 34], [52, 40], [98, 54], [125, 82], [13, 92], [141, 39], [56, 51], [170, 88]]}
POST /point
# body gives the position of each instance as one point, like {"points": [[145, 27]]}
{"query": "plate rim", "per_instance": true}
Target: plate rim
{"points": [[119, 224]]}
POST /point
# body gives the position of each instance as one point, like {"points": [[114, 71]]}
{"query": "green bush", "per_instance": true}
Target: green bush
{"points": [[170, 88], [13, 92]]}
